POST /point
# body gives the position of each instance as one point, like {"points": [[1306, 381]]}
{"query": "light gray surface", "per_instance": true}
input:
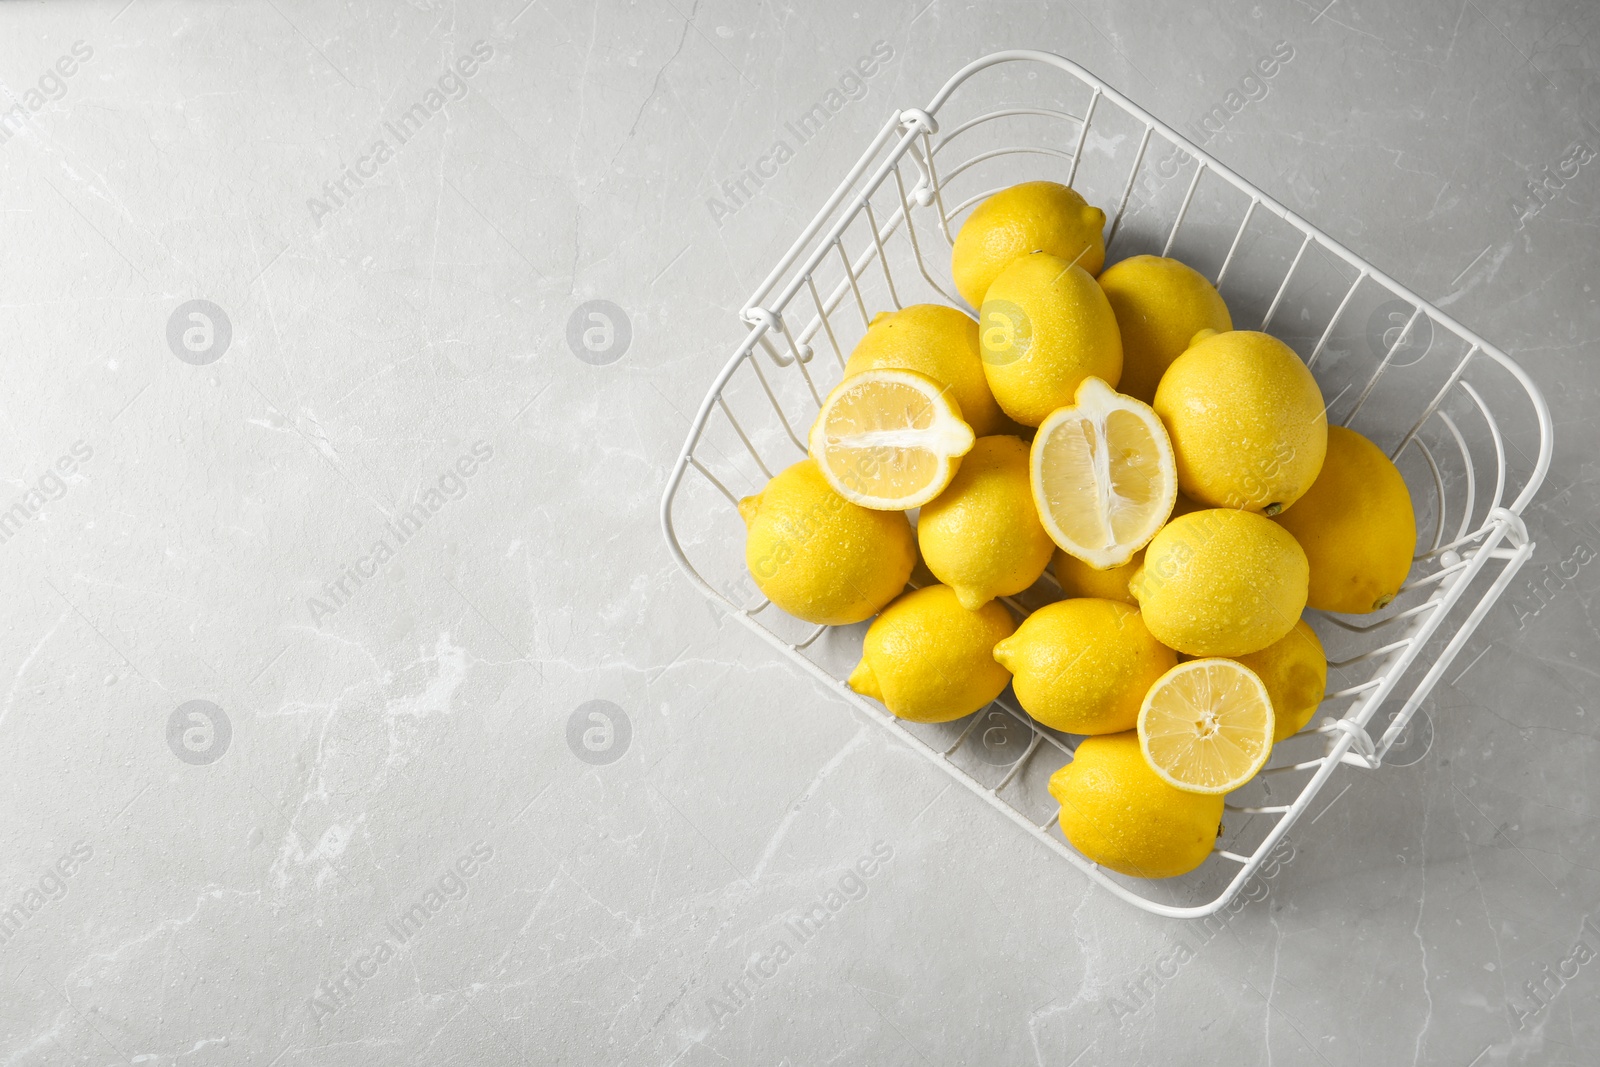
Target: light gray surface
{"points": [[378, 739]]}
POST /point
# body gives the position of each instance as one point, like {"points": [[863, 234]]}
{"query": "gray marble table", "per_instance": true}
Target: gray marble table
{"points": [[321, 533]]}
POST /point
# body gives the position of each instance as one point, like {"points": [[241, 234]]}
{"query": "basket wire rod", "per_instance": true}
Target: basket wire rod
{"points": [[698, 424], [1489, 523], [938, 188], [1127, 186], [1444, 577], [1015, 605], [1351, 627], [1014, 150], [1354, 690], [885, 134], [836, 298], [1336, 397], [1283, 287], [883, 259], [1383, 365], [1047, 737], [1462, 635], [685, 455], [1438, 491], [1438, 576], [1237, 237], [977, 717], [1183, 209], [1003, 113], [1322, 341], [1270, 809], [1426, 625], [855, 287], [1363, 657], [738, 429], [728, 460], [818, 632], [1022, 761], [778, 358], [1304, 765], [766, 387], [800, 354], [924, 171], [827, 324], [1234, 856], [835, 232], [701, 467], [1472, 474], [1048, 819], [793, 358], [805, 371], [1541, 408], [1499, 444], [1458, 545], [1034, 724], [1427, 412], [996, 153], [1083, 132], [916, 245], [761, 604]]}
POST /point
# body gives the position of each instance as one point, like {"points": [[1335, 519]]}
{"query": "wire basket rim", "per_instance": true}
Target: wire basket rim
{"points": [[1502, 524]]}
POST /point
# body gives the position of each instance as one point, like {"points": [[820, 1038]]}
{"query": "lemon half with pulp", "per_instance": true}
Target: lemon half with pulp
{"points": [[1103, 475], [889, 440]]}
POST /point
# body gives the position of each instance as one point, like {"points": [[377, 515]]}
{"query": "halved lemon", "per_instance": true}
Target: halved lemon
{"points": [[1206, 726], [1104, 478], [889, 439]]}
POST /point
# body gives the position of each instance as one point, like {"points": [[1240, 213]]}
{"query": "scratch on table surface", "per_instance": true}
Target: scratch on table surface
{"points": [[799, 804], [16, 681], [1422, 944]]}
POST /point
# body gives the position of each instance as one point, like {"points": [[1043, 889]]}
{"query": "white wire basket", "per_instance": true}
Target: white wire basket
{"points": [[1468, 428]]}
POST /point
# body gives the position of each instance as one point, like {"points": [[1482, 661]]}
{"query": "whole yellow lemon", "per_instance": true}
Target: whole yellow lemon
{"points": [[1045, 326], [1295, 671], [1356, 525], [1160, 305], [1221, 582], [1078, 579], [928, 659], [1031, 217], [818, 556], [982, 536], [1247, 421], [1120, 814], [940, 342], [1084, 665]]}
